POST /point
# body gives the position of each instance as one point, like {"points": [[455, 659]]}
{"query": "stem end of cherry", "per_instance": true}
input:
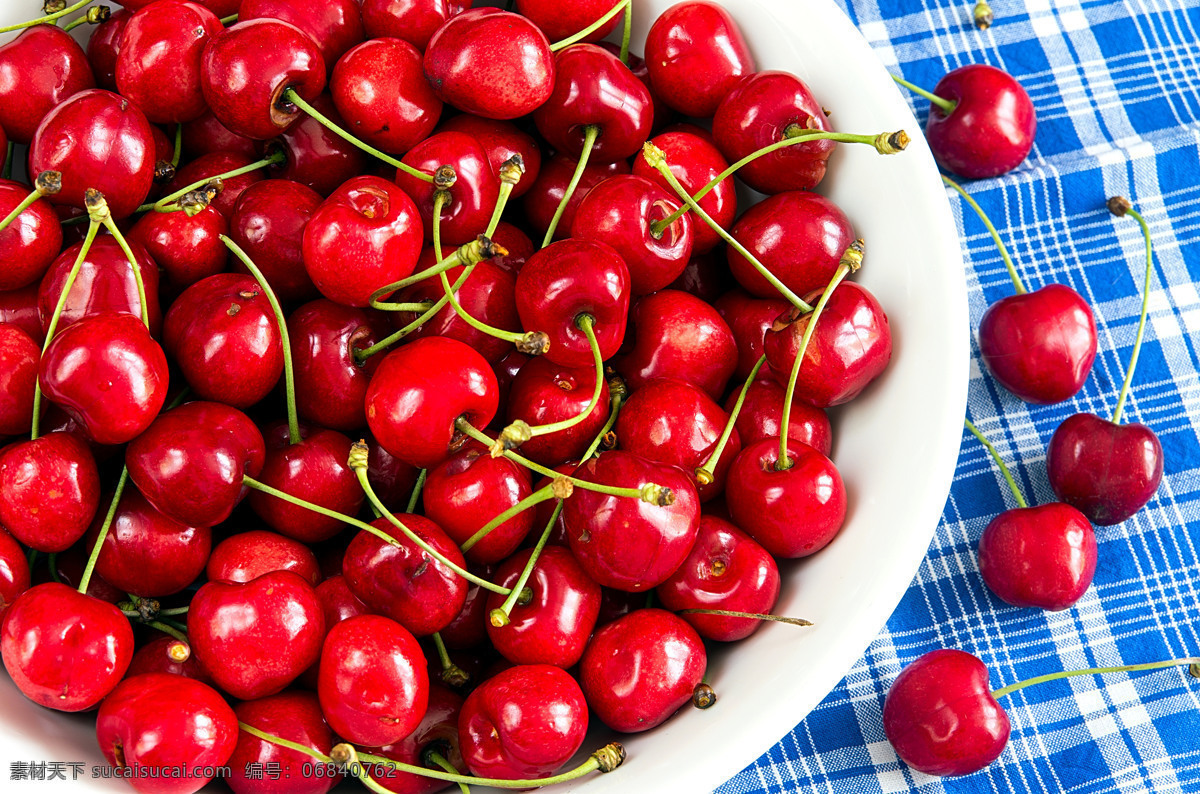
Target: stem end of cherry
{"points": [[445, 177], [512, 169], [179, 652], [48, 183], [983, 15], [891, 142], [1119, 205], [534, 343], [659, 495], [610, 756], [359, 455], [703, 696], [562, 488]]}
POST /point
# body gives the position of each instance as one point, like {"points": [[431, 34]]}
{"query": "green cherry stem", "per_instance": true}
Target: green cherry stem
{"points": [[113, 229], [94, 16], [1130, 668], [229, 20], [416, 493], [86, 579], [1012, 484], [626, 34], [434, 758], [452, 674], [617, 392], [169, 630], [47, 184], [358, 464], [947, 105], [590, 133], [363, 354], [499, 617], [51, 18], [987, 222], [536, 498], [606, 759], [1118, 205], [289, 377], [725, 613], [300, 748], [850, 263], [592, 28], [162, 204], [290, 95], [470, 254], [704, 474], [177, 152], [6, 172]]}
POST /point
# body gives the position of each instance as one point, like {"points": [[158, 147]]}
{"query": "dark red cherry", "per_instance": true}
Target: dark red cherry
{"points": [[760, 110], [14, 570], [108, 374], [794, 512], [798, 236], [330, 383], [547, 191], [438, 729], [249, 555], [207, 135], [628, 543], [991, 129], [1105, 470], [64, 650], [491, 63], [49, 490], [268, 224], [1043, 556], [104, 283], [506, 369], [313, 154], [696, 54], [473, 197], [749, 319], [99, 140], [224, 336], [366, 235], [379, 88], [209, 166], [338, 602], [158, 59], [524, 722], [373, 686], [391, 478], [103, 46], [296, 717], [335, 25], [20, 308], [19, 356], [187, 249], [39, 69], [420, 390], [568, 279], [415, 21], [31, 241], [468, 628], [940, 715], [726, 570], [543, 393], [247, 69], [640, 669], [762, 416], [695, 161], [1039, 345], [158, 721], [256, 637], [677, 335], [162, 655], [501, 140]]}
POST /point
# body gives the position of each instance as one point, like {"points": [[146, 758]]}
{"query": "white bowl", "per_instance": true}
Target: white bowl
{"points": [[896, 445]]}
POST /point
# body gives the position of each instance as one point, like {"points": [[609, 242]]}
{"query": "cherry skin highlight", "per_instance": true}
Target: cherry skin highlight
{"points": [[991, 129]]}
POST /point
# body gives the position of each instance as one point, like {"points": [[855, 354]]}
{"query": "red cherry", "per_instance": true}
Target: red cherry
{"points": [[187, 249], [256, 637], [696, 54], [268, 224], [501, 140], [161, 656], [524, 722], [379, 88], [941, 717], [546, 193], [49, 490], [373, 685], [64, 650], [695, 161], [415, 21], [627, 543], [543, 393], [103, 46], [762, 415], [208, 166], [104, 283], [749, 319], [20, 308], [1039, 345], [990, 130], [335, 25], [19, 357], [249, 555], [418, 393], [391, 478], [1105, 470], [14, 570], [222, 8], [491, 63], [438, 729], [313, 154], [296, 717], [792, 512], [473, 197], [31, 242], [39, 69], [207, 135], [157, 721], [338, 602], [640, 669], [559, 22], [1042, 556]]}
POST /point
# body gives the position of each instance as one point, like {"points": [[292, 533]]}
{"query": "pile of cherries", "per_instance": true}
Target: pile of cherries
{"points": [[303, 413]]}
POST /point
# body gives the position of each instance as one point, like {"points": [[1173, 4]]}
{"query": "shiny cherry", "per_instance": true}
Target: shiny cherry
{"points": [[501, 140], [1042, 556], [559, 22], [695, 161], [207, 135], [14, 570], [209, 166], [313, 154], [762, 415], [1107, 471], [39, 69], [330, 383], [249, 555], [696, 54], [103, 46], [379, 88], [31, 241], [49, 490], [438, 730], [162, 655], [991, 128], [267, 222], [20, 308], [547, 191], [473, 197], [415, 21], [19, 357], [104, 283], [335, 25], [544, 392], [749, 318], [296, 717], [186, 248]]}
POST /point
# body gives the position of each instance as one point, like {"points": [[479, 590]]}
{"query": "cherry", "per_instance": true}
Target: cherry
{"points": [[313, 154], [364, 236], [256, 637], [501, 140], [103, 46], [49, 490], [222, 8], [223, 334], [749, 319], [64, 650], [31, 241], [247, 69], [158, 59], [695, 161], [165, 654], [1107, 471], [391, 478], [156, 721], [1042, 556], [207, 135], [792, 512], [630, 544], [96, 139], [104, 282], [438, 732], [19, 357], [296, 717], [186, 248], [330, 383], [544, 392], [524, 722], [249, 555], [20, 308], [14, 570], [268, 224], [39, 69], [210, 166], [985, 124], [941, 717], [415, 21], [762, 415], [335, 25], [546, 193], [640, 669], [559, 22], [373, 686], [696, 54], [491, 63], [473, 196], [190, 461]]}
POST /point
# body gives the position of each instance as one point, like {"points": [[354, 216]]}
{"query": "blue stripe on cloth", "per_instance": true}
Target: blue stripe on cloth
{"points": [[1117, 90]]}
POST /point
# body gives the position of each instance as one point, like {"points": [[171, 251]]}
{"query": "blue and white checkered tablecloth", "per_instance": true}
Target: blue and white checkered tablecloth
{"points": [[1116, 86]]}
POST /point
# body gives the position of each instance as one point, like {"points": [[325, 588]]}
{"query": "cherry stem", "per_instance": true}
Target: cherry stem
{"points": [[289, 377], [51, 562], [947, 105], [657, 159], [229, 20], [606, 759], [1130, 668], [590, 133], [452, 674], [500, 617], [111, 225], [470, 254], [983, 16], [592, 28], [358, 464], [300, 748], [434, 757], [177, 152], [704, 474], [510, 173], [162, 204], [884, 143], [1012, 271], [86, 579], [725, 613], [166, 629], [851, 262], [1012, 484], [626, 34], [362, 355], [290, 95], [416, 493], [93, 228], [650, 493], [1123, 207], [6, 173], [47, 184], [94, 16], [536, 498], [51, 18]]}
